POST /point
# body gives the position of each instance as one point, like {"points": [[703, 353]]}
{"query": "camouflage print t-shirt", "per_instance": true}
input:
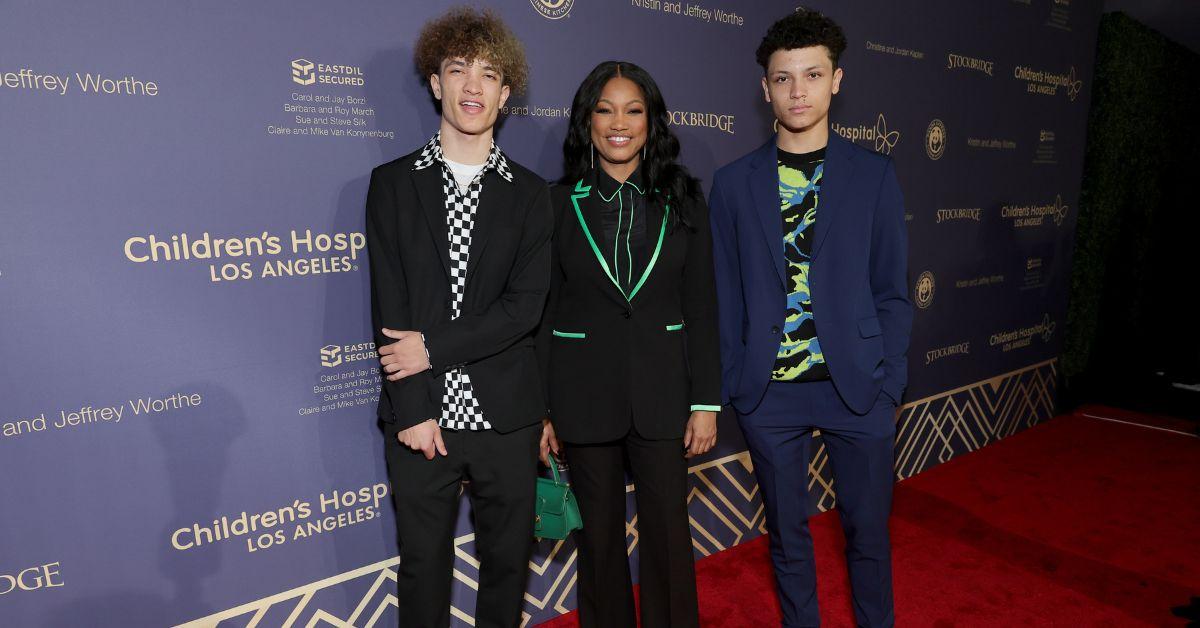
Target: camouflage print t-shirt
{"points": [[799, 357]]}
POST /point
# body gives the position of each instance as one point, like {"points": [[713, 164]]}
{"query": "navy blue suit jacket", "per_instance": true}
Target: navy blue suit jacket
{"points": [[857, 278]]}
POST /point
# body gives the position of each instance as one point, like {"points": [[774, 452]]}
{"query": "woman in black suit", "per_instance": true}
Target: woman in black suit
{"points": [[629, 345]]}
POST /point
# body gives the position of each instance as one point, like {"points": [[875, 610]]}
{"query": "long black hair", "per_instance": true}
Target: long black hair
{"points": [[666, 180]]}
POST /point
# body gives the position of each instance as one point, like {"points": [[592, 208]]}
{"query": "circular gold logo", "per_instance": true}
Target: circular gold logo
{"points": [[923, 293], [553, 9], [935, 139]]}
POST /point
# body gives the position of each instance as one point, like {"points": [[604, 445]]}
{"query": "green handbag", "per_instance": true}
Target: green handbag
{"points": [[556, 513]]}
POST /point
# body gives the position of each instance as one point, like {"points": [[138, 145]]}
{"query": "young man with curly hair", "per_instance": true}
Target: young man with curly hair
{"points": [[811, 254], [458, 236]]}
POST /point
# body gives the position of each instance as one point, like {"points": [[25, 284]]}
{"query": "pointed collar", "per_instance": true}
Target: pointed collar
{"points": [[432, 153], [608, 186]]}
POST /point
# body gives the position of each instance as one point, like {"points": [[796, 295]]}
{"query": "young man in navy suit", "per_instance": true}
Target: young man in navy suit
{"points": [[811, 256]]}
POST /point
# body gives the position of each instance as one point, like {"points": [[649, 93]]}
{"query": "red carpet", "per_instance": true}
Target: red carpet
{"points": [[1076, 522]]}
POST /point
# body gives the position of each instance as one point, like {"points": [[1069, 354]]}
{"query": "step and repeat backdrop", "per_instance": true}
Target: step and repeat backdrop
{"points": [[187, 427]]}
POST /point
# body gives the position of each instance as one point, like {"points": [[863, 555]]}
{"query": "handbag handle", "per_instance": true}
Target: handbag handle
{"points": [[554, 467]]}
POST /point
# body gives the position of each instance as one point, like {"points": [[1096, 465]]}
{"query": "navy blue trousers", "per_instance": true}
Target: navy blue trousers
{"points": [[861, 450]]}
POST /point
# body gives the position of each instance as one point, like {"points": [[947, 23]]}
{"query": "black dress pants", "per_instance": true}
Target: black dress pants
{"points": [[502, 471], [666, 569]]}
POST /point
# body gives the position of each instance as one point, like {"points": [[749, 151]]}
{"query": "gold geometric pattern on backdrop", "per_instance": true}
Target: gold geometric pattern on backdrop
{"points": [[724, 508], [933, 430]]}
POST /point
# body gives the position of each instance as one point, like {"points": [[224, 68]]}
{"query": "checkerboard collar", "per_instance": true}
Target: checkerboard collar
{"points": [[432, 153]]}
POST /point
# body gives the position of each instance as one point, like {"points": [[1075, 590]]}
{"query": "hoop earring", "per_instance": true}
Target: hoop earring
{"points": [[644, 151], [592, 154], [775, 125]]}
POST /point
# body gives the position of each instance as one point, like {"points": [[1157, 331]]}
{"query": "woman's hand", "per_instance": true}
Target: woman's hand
{"points": [[701, 433], [549, 442]]}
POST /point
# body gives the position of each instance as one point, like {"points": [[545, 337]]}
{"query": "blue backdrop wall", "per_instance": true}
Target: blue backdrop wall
{"points": [[187, 428]]}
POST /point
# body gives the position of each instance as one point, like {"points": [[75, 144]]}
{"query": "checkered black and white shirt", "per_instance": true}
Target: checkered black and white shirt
{"points": [[460, 409]]}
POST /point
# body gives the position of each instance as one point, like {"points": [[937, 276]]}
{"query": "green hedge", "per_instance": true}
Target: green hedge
{"points": [[1137, 205]]}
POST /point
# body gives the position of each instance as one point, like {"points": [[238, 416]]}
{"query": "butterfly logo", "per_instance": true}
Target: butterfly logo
{"points": [[885, 140], [1074, 85]]}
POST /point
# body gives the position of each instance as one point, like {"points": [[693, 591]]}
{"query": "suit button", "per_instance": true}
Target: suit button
{"points": [[774, 329], [627, 314]]}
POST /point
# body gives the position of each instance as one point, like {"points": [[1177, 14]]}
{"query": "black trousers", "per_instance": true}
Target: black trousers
{"points": [[666, 569], [502, 471]]}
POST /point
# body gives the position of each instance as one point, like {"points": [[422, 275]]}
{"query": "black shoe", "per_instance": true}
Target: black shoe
{"points": [[1190, 612]]}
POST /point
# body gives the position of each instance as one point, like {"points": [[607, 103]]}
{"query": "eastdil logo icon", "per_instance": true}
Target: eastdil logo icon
{"points": [[331, 355], [305, 72], [337, 355], [553, 9], [302, 72], [935, 140]]}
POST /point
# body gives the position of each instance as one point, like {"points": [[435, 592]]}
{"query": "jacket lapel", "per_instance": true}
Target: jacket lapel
{"points": [[835, 186], [428, 182], [495, 198], [764, 191], [662, 235], [578, 195], [656, 226]]}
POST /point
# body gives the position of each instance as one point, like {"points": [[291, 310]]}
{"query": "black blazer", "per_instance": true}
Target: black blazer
{"points": [[507, 280], [649, 358]]}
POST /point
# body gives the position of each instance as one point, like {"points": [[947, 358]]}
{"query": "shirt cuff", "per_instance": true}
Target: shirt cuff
{"points": [[704, 408]]}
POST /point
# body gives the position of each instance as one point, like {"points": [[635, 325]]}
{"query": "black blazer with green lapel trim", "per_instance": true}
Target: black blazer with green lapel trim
{"points": [[507, 282], [612, 361]]}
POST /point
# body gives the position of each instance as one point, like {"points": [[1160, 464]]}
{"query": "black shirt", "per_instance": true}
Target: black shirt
{"points": [[800, 357], [623, 222]]}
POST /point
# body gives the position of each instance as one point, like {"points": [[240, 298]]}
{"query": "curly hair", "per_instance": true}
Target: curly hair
{"points": [[802, 29], [470, 34]]}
